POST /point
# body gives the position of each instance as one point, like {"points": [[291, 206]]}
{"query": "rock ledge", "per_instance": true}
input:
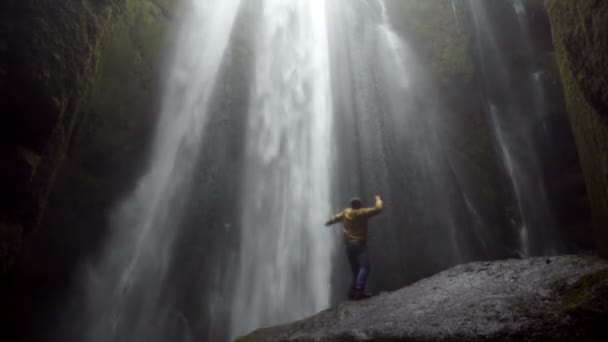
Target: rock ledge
{"points": [[561, 298]]}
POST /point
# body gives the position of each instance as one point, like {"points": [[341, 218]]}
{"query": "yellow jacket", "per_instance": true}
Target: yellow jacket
{"points": [[355, 221]]}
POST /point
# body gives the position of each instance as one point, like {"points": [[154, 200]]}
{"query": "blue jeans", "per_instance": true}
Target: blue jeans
{"points": [[356, 251]]}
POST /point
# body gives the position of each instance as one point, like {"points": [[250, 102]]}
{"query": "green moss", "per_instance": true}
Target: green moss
{"points": [[440, 41], [570, 28], [63, 48], [583, 29], [123, 94], [586, 296]]}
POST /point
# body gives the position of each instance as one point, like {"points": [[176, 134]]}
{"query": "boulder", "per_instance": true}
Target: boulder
{"points": [[538, 299]]}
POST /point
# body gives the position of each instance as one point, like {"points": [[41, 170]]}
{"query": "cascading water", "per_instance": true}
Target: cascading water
{"points": [[325, 100], [399, 55], [125, 291], [389, 141], [395, 71], [455, 12], [514, 109], [285, 253]]}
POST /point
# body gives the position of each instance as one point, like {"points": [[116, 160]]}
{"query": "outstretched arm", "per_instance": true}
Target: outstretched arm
{"points": [[335, 219], [373, 210]]}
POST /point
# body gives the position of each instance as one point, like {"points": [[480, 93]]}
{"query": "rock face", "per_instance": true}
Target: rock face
{"points": [[82, 85], [65, 67], [48, 57], [538, 299], [108, 148], [580, 35]]}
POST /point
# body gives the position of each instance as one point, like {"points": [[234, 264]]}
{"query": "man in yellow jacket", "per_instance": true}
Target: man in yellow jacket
{"points": [[355, 234]]}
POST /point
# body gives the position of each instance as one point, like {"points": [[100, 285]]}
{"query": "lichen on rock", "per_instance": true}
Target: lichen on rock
{"points": [[585, 295]]}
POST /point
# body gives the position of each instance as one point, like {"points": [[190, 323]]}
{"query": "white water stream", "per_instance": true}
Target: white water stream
{"points": [[125, 289], [285, 254], [281, 255]]}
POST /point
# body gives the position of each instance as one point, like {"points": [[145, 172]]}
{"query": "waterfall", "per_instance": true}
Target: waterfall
{"points": [[515, 172], [319, 101], [285, 252], [455, 13], [399, 55], [515, 107], [125, 289], [520, 10]]}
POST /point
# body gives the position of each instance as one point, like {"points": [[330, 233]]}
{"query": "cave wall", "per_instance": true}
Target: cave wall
{"points": [[446, 43], [49, 53], [109, 146], [55, 68], [82, 84], [580, 35]]}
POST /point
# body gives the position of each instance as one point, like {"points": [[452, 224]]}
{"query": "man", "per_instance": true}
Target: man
{"points": [[355, 234]]}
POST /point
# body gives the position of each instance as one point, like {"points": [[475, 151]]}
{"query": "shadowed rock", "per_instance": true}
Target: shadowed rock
{"points": [[538, 299]]}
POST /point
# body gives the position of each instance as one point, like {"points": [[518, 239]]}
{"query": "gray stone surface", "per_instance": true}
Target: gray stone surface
{"points": [[538, 299]]}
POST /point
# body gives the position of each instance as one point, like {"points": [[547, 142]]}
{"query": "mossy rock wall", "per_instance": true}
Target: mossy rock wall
{"points": [[441, 41], [111, 143], [447, 44], [48, 56], [444, 48], [68, 66], [116, 98], [580, 34]]}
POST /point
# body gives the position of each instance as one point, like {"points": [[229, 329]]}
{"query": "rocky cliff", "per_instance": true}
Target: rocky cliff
{"points": [[538, 299], [580, 35], [49, 52], [57, 61], [81, 81]]}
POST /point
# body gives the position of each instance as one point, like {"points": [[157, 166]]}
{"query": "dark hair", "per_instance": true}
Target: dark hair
{"points": [[355, 203]]}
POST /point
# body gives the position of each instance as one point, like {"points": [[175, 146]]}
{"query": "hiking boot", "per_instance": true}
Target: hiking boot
{"points": [[359, 294], [351, 294]]}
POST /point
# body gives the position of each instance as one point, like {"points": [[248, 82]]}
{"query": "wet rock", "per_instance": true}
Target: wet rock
{"points": [[48, 59], [57, 61], [81, 83], [580, 31], [538, 299], [582, 26]]}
